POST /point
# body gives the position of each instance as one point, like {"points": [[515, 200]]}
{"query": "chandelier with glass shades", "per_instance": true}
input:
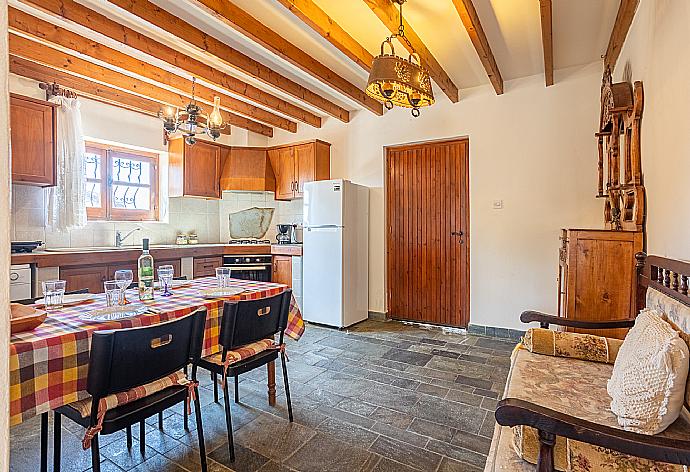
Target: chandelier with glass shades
{"points": [[394, 80], [192, 120]]}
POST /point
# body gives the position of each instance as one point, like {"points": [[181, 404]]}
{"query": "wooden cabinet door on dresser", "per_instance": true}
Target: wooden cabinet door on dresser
{"points": [[33, 141], [89, 277], [194, 171], [597, 276], [282, 270]]}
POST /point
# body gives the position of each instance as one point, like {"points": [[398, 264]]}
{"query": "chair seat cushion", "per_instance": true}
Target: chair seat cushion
{"points": [[241, 353]]}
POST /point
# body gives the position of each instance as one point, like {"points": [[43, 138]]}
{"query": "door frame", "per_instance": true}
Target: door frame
{"points": [[465, 301]]}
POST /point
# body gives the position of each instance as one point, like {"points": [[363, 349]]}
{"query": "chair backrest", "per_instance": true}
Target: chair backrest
{"points": [[122, 359], [247, 321]]}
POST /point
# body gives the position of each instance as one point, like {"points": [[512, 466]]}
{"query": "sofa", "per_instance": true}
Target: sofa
{"points": [[555, 411]]}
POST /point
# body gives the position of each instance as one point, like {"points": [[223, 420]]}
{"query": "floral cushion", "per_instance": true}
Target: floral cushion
{"points": [[241, 353], [583, 457], [675, 310], [587, 347]]}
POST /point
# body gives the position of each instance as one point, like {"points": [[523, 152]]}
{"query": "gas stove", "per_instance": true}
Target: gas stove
{"points": [[249, 241]]}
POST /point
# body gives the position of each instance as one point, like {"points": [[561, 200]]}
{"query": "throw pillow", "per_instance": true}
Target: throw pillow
{"points": [[647, 386]]}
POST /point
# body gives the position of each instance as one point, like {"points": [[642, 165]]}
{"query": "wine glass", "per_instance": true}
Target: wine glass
{"points": [[124, 280], [165, 278]]}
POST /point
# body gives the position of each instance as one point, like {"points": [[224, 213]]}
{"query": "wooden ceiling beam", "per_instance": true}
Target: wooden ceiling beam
{"points": [[239, 20], [389, 15], [470, 19], [545, 10], [78, 14], [318, 20], [83, 87], [624, 19], [42, 54], [153, 14], [55, 35]]}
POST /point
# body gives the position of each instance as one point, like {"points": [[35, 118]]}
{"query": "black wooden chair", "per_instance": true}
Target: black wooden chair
{"points": [[245, 326], [124, 359]]}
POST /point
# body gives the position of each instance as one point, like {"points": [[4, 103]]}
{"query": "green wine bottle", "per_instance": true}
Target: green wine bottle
{"points": [[145, 266]]}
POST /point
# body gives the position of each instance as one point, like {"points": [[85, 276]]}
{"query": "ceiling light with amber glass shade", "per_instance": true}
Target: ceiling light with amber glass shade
{"points": [[397, 81], [192, 120]]}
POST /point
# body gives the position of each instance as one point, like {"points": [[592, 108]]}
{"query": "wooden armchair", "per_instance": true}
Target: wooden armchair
{"points": [[671, 447]]}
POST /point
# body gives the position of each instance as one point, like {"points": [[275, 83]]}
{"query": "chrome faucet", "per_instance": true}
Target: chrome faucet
{"points": [[119, 239]]}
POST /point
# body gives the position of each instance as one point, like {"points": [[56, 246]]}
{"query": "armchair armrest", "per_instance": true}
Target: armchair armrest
{"points": [[551, 423], [544, 321]]}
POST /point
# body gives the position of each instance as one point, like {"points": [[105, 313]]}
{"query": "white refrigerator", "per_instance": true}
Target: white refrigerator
{"points": [[335, 290]]}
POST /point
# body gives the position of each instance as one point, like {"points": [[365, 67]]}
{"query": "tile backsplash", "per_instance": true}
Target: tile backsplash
{"points": [[208, 218]]}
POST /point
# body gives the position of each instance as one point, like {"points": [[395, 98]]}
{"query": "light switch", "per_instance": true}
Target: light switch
{"points": [[498, 205]]}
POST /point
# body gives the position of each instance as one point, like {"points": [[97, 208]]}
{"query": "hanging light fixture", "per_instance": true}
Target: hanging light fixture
{"points": [[192, 120], [394, 80]]}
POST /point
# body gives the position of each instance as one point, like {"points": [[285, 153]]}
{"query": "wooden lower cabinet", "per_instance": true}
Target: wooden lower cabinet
{"points": [[597, 276], [206, 266], [85, 277], [282, 270]]}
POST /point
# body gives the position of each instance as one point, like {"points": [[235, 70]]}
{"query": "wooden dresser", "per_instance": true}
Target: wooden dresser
{"points": [[596, 276]]}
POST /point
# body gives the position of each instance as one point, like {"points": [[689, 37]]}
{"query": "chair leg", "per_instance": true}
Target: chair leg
{"points": [[237, 389], [185, 416], [160, 421], [287, 385], [44, 442], [142, 438], [95, 455], [200, 431], [228, 422], [214, 378], [129, 437], [57, 442]]}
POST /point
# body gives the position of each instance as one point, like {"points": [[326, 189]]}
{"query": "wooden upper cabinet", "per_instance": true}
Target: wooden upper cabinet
{"points": [[194, 170], [297, 164], [246, 168], [33, 141]]}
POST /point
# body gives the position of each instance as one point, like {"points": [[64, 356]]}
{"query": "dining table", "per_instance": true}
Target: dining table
{"points": [[49, 365]]}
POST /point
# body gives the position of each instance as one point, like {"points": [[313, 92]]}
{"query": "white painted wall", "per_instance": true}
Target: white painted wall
{"points": [[4, 244], [532, 147], [655, 52]]}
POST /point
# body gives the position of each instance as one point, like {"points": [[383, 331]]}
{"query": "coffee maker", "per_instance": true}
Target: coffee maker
{"points": [[284, 236]]}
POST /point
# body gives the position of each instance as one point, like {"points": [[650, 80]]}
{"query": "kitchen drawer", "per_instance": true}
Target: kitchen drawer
{"points": [[206, 266]]}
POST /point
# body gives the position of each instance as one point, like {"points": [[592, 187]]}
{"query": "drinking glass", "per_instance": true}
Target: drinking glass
{"points": [[113, 293], [223, 276], [165, 278], [53, 292], [124, 279]]}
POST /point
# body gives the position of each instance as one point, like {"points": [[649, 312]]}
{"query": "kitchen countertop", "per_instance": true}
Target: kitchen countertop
{"points": [[96, 255]]}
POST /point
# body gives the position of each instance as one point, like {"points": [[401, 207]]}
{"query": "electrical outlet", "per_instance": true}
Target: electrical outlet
{"points": [[498, 205]]}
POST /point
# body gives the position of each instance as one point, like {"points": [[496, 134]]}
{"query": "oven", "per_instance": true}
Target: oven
{"points": [[249, 267]]}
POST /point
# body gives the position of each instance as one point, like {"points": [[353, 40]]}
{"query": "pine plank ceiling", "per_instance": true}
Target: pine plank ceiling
{"points": [[296, 92]]}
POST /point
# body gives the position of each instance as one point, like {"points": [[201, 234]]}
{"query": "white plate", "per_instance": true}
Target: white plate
{"points": [[114, 313], [222, 292], [72, 299]]}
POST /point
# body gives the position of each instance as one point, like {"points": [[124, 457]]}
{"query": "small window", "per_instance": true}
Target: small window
{"points": [[121, 184]]}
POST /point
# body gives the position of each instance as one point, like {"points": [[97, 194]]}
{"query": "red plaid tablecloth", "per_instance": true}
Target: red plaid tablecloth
{"points": [[49, 365]]}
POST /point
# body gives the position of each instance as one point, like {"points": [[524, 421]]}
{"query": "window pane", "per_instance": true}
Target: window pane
{"points": [[93, 165], [93, 195], [131, 198], [131, 171]]}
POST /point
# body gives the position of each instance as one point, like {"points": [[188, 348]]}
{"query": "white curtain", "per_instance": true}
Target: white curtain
{"points": [[67, 200]]}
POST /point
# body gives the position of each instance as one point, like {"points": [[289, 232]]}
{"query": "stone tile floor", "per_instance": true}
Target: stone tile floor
{"points": [[383, 396]]}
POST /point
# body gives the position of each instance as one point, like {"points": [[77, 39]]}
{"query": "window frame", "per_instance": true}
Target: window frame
{"points": [[107, 212]]}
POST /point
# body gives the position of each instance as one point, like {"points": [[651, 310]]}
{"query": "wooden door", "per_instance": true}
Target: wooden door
{"points": [[427, 205], [89, 277], [305, 166], [33, 141], [282, 270], [285, 174], [202, 170]]}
